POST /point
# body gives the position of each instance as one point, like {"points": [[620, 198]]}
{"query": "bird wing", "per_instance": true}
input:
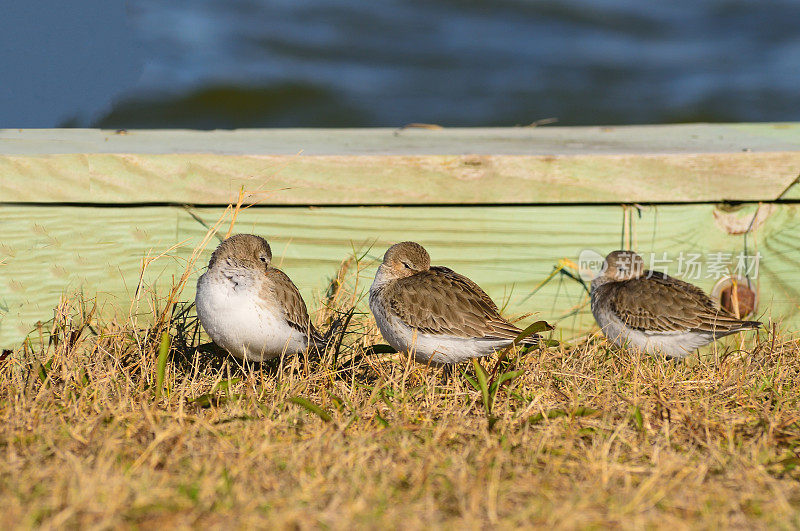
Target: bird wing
{"points": [[659, 303], [442, 302], [288, 298]]}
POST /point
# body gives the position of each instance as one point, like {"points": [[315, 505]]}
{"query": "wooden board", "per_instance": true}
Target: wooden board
{"points": [[80, 209], [48, 251], [548, 140], [204, 179], [792, 192], [524, 165]]}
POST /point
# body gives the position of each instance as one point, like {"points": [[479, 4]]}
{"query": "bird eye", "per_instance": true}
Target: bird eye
{"points": [[405, 264], [263, 258]]}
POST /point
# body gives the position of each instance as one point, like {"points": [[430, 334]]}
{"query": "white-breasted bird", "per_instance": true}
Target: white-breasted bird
{"points": [[654, 312], [249, 308], [433, 312]]}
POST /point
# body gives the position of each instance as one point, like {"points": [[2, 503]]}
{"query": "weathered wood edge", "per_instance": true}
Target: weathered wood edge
{"points": [[549, 140], [208, 179], [792, 192]]}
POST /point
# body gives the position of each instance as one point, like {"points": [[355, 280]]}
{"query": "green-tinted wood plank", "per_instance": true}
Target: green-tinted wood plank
{"points": [[550, 140], [793, 191], [364, 180], [47, 251]]}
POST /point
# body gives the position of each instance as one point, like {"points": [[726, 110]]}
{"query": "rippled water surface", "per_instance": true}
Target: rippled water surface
{"points": [[238, 63]]}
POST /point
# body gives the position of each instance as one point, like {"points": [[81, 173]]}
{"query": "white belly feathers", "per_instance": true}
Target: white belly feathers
{"points": [[240, 323]]}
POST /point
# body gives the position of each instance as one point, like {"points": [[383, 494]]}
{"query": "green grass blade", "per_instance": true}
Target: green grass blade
{"points": [[383, 421], [161, 363], [538, 326], [501, 379], [224, 385], [213, 398], [550, 414], [311, 406], [338, 402], [508, 376], [41, 372], [483, 384], [636, 415], [471, 381]]}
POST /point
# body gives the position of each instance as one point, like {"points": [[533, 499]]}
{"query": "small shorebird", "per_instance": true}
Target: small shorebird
{"points": [[433, 312], [250, 308], [654, 312]]}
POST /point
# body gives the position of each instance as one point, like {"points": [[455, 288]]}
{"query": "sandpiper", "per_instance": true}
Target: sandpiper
{"points": [[248, 307], [654, 312], [433, 312]]}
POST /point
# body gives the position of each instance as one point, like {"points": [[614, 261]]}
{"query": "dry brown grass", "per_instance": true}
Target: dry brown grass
{"points": [[585, 436]]}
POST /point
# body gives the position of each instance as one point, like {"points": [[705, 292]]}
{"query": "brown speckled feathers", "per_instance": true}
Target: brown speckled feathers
{"points": [[664, 304], [440, 301], [280, 288]]}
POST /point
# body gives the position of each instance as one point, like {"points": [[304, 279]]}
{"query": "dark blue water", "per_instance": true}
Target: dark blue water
{"points": [[249, 63]]}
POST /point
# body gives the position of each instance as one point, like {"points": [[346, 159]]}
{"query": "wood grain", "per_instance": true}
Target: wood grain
{"points": [[49, 251], [204, 179], [792, 192], [550, 140]]}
